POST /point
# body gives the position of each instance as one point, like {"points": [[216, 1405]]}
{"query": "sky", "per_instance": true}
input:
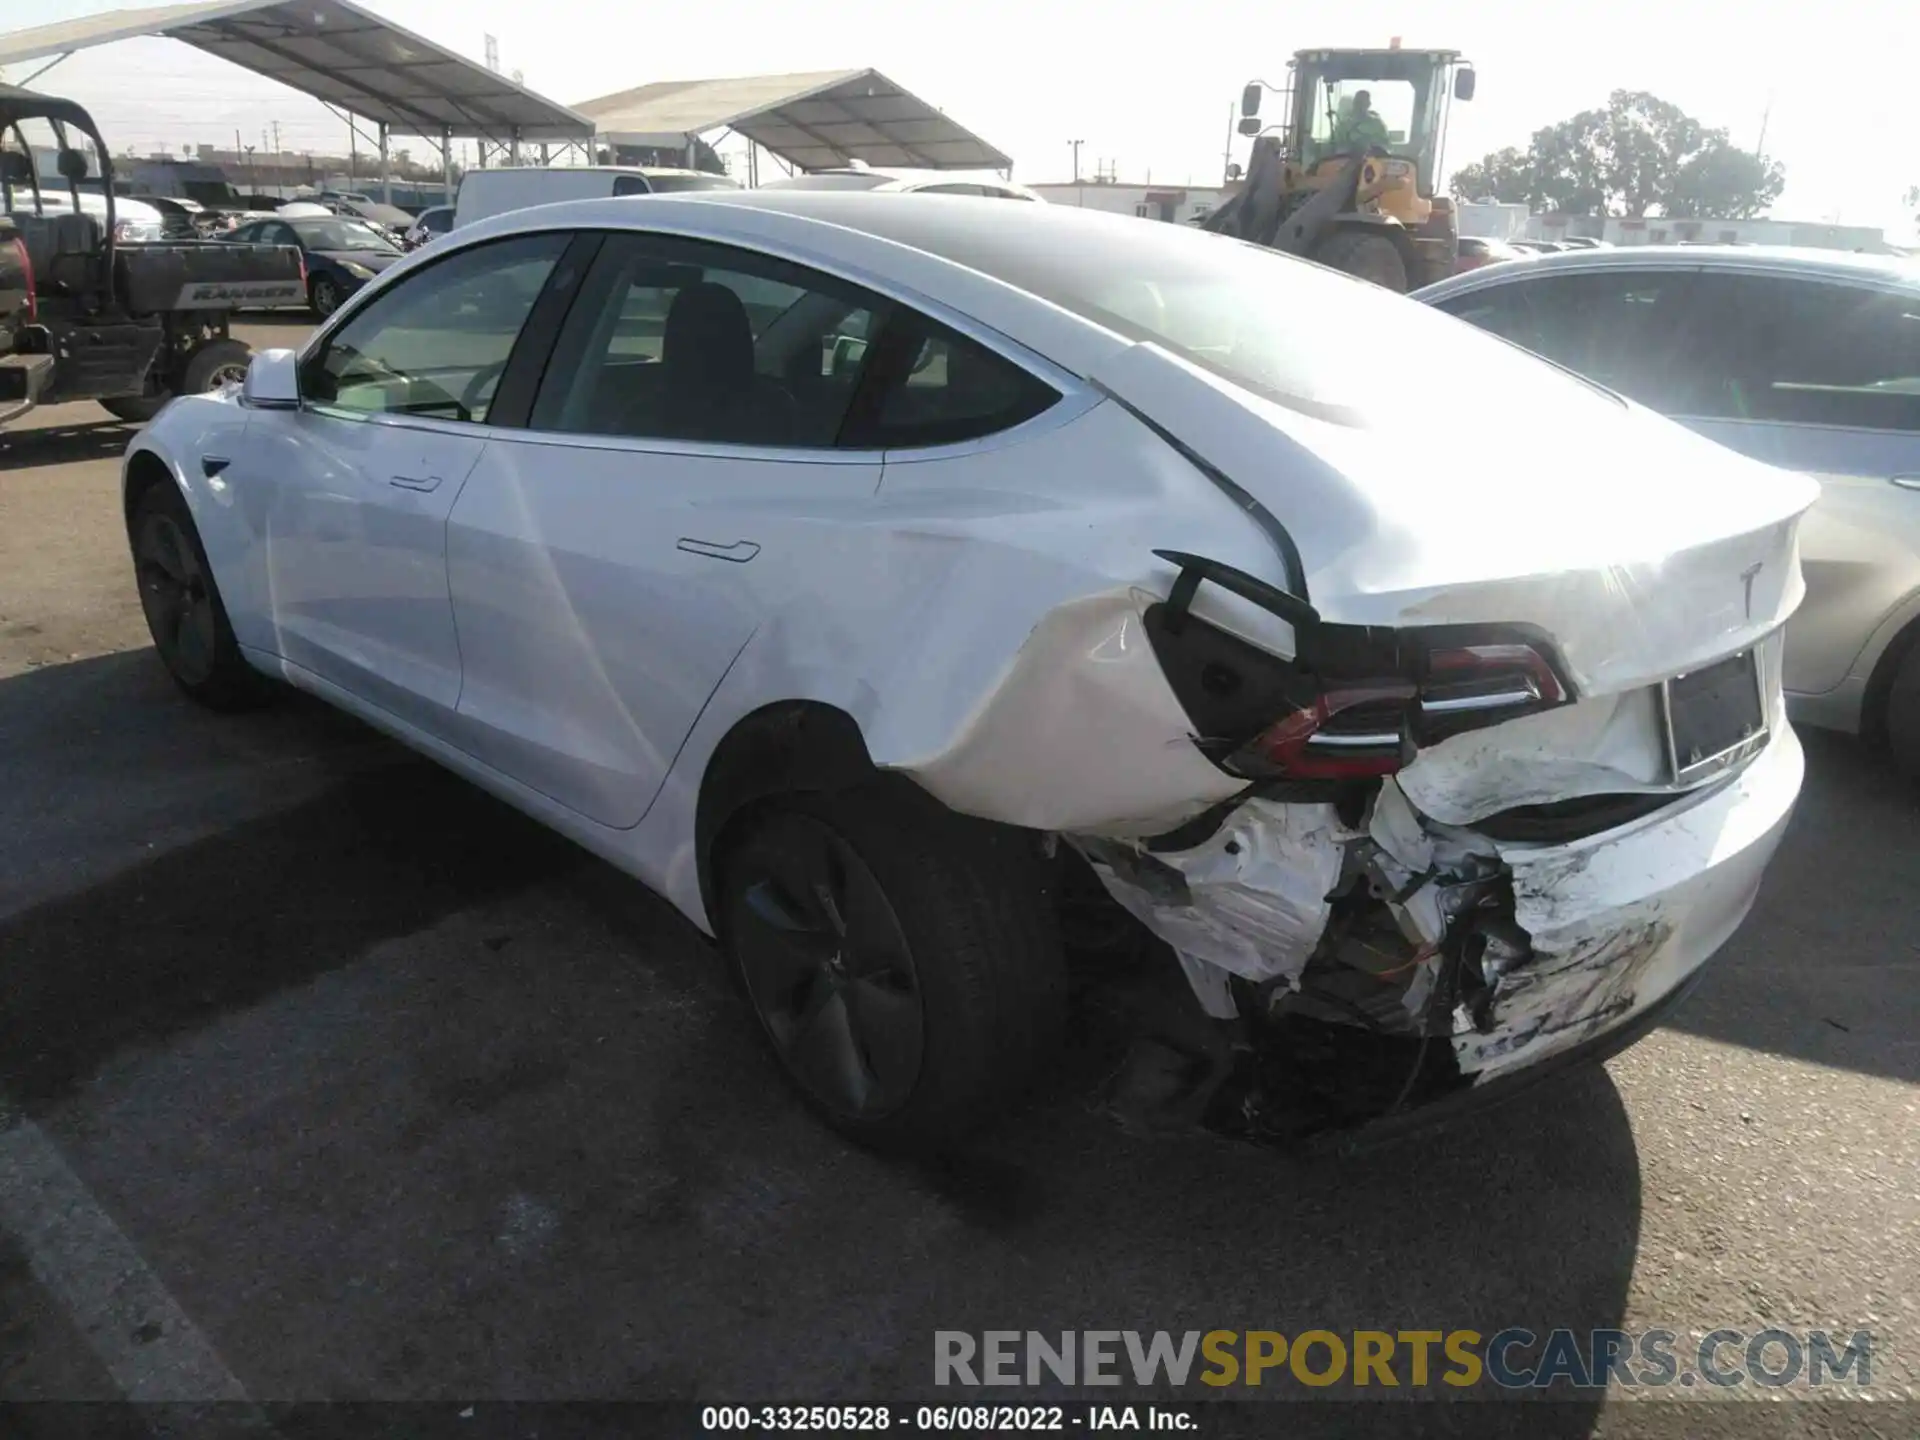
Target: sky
{"points": [[1148, 87]]}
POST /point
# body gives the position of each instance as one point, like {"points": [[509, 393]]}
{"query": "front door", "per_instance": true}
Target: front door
{"points": [[360, 480]]}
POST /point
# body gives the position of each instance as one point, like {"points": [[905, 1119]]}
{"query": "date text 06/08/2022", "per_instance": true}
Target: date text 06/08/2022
{"points": [[976, 1419]]}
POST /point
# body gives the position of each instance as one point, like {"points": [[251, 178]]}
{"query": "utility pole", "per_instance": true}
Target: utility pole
{"points": [[276, 137], [1076, 144]]}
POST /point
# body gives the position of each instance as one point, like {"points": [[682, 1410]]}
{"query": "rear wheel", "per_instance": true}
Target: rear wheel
{"points": [[903, 959], [216, 363], [1366, 255], [1903, 714], [135, 409], [323, 294], [184, 613]]}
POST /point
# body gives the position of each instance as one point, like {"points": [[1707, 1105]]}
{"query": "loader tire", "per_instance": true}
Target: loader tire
{"points": [[1366, 255]]}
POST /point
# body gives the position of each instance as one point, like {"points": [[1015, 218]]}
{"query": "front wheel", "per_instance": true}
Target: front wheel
{"points": [[182, 605], [1365, 255], [903, 959]]}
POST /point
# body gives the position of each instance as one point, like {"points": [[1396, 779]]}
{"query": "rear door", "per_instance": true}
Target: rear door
{"points": [[678, 481], [1821, 377]]}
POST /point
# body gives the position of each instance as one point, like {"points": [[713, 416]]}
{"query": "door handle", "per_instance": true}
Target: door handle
{"points": [[417, 482], [212, 465], [739, 552], [1906, 482]]}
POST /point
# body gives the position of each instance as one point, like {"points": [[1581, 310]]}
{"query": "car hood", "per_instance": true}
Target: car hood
{"points": [[1640, 548], [374, 260]]}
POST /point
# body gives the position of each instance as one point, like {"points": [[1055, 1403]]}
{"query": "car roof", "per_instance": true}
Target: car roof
{"points": [[1769, 259]]}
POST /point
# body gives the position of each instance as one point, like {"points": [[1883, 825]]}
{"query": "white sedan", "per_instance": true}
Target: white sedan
{"points": [[859, 571]]}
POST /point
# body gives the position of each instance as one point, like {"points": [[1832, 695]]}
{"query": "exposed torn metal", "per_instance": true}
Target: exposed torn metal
{"points": [[1459, 959]]}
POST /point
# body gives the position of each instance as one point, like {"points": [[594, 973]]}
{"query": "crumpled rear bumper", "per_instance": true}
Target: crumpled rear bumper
{"points": [[1609, 929], [1622, 919]]}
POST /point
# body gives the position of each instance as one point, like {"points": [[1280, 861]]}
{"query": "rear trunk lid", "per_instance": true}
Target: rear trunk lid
{"points": [[1642, 550]]}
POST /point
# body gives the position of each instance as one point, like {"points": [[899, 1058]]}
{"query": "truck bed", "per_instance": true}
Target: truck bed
{"points": [[207, 275]]}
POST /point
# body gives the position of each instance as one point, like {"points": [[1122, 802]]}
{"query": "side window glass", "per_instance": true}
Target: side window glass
{"points": [[676, 339], [438, 342], [631, 185], [935, 386], [1810, 353], [1622, 329]]}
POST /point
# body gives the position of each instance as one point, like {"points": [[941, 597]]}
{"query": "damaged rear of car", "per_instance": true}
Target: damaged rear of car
{"points": [[1498, 730]]}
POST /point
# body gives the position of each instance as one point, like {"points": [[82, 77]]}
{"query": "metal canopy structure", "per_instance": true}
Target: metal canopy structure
{"points": [[814, 120], [336, 52]]}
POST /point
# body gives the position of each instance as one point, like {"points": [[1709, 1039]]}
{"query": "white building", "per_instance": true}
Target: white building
{"points": [[1176, 203]]}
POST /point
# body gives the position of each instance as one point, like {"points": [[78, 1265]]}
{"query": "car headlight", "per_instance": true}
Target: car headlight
{"points": [[357, 271]]}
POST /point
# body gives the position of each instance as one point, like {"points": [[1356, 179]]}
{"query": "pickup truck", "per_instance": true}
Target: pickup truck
{"points": [[87, 315]]}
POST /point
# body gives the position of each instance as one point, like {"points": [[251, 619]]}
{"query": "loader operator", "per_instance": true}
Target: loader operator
{"points": [[1360, 128]]}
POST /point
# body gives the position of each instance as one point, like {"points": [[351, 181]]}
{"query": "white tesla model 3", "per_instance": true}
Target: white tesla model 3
{"points": [[847, 567]]}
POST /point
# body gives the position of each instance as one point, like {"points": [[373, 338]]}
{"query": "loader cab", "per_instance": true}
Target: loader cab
{"points": [[1409, 91]]}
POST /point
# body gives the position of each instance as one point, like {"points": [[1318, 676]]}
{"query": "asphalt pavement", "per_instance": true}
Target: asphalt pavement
{"points": [[325, 1077]]}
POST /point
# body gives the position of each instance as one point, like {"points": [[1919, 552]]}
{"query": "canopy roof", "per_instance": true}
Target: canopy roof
{"points": [[334, 51], [815, 120]]}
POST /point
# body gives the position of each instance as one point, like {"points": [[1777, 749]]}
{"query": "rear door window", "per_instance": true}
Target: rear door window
{"points": [[1807, 352], [931, 385], [676, 339], [1623, 328]]}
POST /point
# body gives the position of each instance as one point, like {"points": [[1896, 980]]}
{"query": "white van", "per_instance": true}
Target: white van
{"points": [[493, 192]]}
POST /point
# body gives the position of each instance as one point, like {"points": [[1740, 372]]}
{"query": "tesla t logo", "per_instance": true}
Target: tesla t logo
{"points": [[1747, 577]]}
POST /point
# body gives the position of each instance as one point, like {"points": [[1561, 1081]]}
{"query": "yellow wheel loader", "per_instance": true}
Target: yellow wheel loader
{"points": [[1347, 178]]}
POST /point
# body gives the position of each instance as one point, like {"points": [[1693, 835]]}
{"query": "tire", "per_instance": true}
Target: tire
{"points": [[215, 363], [1903, 714], [913, 1003], [184, 612], [323, 295], [1366, 255], [134, 409]]}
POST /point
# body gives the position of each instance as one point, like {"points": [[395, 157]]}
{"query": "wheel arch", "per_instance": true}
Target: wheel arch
{"points": [[144, 470], [1873, 702], [784, 747]]}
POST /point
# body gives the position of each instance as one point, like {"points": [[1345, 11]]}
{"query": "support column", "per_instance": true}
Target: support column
{"points": [[513, 147], [386, 175], [446, 164]]}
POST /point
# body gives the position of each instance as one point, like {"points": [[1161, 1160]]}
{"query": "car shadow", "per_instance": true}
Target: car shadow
{"points": [[26, 447], [1827, 967], [404, 1098]]}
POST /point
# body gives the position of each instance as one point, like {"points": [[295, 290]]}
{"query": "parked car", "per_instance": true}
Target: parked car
{"points": [[341, 254], [1476, 251], [484, 193], [1585, 242], [891, 181], [180, 219], [1538, 247], [1053, 545], [429, 225], [1805, 359]]}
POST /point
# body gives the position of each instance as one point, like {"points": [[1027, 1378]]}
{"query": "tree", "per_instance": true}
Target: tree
{"points": [[1641, 155]]}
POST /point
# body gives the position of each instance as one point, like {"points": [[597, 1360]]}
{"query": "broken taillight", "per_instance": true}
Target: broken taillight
{"points": [[1362, 729]]}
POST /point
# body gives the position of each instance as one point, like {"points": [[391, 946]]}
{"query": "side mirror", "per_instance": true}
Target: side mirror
{"points": [[1463, 84], [1250, 125], [1250, 102], [273, 381]]}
